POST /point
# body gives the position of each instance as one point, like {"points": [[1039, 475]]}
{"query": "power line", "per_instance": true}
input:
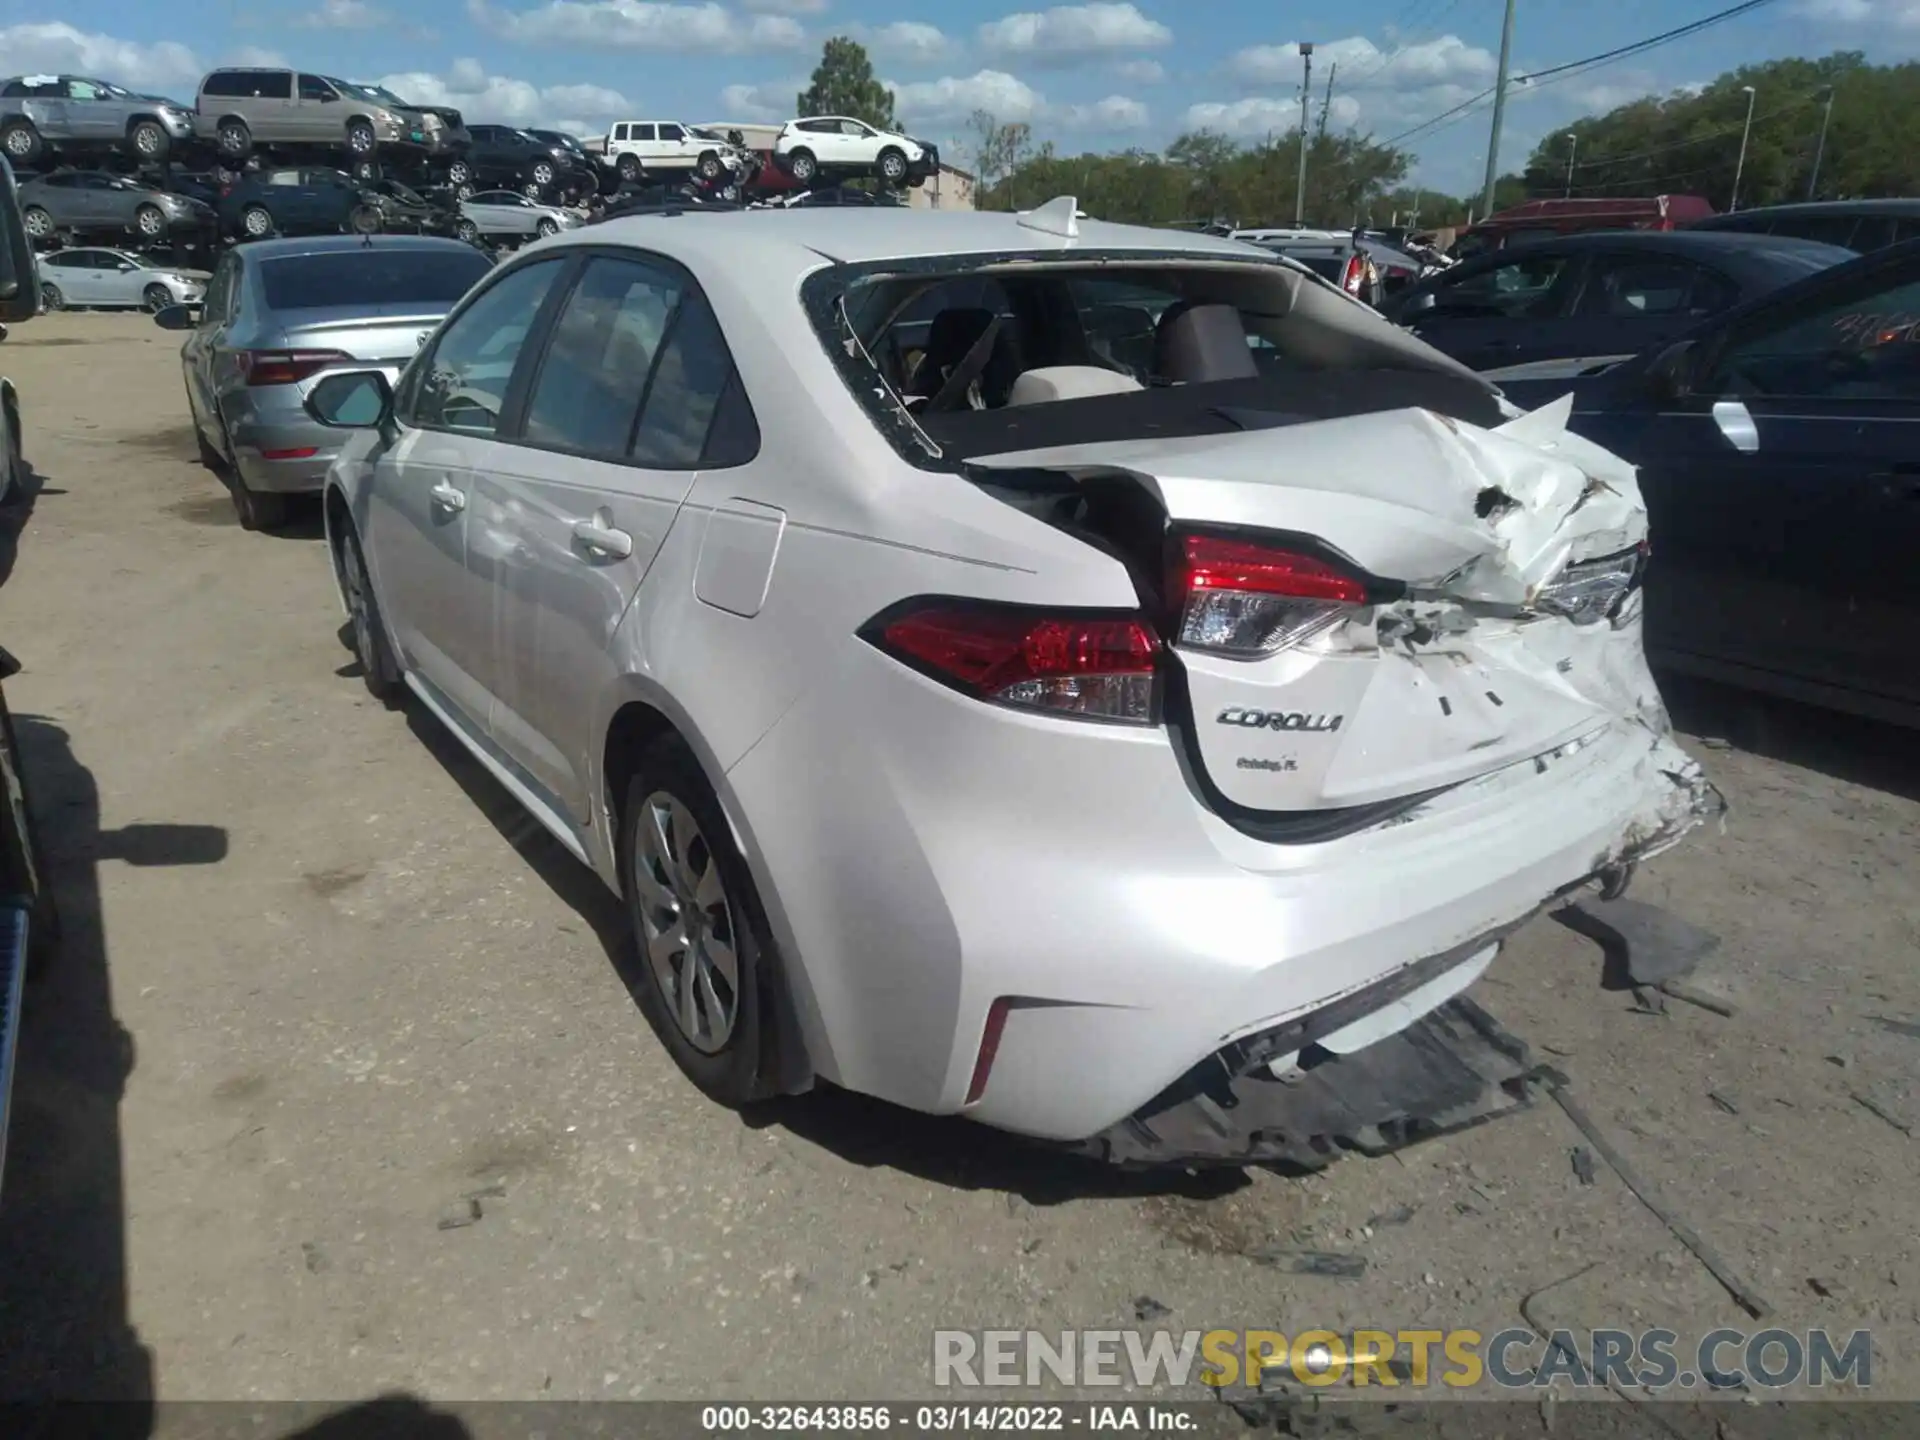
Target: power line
{"points": [[1707, 138], [1556, 73]]}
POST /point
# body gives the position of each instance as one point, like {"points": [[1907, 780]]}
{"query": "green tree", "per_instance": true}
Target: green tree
{"points": [[843, 83]]}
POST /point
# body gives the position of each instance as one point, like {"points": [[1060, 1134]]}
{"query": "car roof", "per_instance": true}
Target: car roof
{"points": [[805, 236], [335, 244], [1894, 206]]}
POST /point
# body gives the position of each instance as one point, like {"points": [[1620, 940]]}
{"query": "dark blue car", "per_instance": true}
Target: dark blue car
{"points": [[1779, 453]]}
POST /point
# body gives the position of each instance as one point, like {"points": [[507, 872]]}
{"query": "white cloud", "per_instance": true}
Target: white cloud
{"points": [[1445, 60], [1069, 34], [766, 102], [1141, 72], [502, 100], [253, 55], [785, 7], [909, 40], [1263, 115], [953, 99], [1867, 14], [638, 25], [60, 48], [344, 15]]}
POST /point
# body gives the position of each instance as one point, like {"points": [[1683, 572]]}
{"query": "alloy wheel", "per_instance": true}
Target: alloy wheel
{"points": [[156, 299], [19, 143], [686, 922]]}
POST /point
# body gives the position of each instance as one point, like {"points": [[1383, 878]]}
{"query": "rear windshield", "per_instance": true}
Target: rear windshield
{"points": [[1129, 349], [372, 277]]}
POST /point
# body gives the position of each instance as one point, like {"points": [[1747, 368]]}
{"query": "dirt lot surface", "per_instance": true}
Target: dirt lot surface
{"points": [[323, 982]]}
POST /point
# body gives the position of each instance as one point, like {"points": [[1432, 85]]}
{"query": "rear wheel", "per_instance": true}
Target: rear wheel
{"points": [[148, 140], [629, 168], [50, 297], [256, 222], [150, 222], [234, 139], [155, 298], [21, 142], [378, 668], [803, 165], [257, 509], [697, 921], [38, 222]]}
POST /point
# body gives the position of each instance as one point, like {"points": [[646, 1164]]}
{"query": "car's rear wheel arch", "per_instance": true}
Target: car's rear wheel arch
{"points": [[638, 727]]}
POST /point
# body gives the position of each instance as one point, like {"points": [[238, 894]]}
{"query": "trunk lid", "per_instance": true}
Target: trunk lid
{"points": [[380, 334], [1454, 667]]}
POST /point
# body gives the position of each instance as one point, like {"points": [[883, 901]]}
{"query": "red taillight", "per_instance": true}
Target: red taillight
{"points": [[989, 1048], [285, 367], [1100, 667], [304, 452], [1240, 597], [1356, 272]]}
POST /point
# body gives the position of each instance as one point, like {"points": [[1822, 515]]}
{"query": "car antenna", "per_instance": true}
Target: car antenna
{"points": [[1059, 216]]}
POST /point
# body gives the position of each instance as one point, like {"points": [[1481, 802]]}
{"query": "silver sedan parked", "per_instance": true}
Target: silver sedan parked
{"points": [[509, 215], [95, 202], [278, 313], [115, 280]]}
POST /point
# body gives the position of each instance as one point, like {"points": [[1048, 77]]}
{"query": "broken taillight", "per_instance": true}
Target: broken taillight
{"points": [[1097, 667], [1591, 590], [1242, 597], [1354, 276]]}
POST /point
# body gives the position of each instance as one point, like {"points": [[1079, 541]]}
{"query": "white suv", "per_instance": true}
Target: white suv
{"points": [[635, 147], [824, 144]]}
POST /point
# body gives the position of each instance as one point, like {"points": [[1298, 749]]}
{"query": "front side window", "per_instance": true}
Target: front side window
{"points": [[84, 90], [1626, 287], [643, 132], [1521, 287], [462, 384], [312, 87], [672, 132], [1861, 345]]}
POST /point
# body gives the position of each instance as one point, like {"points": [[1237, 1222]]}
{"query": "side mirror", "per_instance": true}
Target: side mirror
{"points": [[126, 267], [1671, 373], [177, 317], [351, 400], [19, 276]]}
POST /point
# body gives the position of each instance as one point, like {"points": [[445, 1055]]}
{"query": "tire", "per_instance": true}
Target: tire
{"points": [[50, 297], [211, 458], [38, 222], [459, 173], [148, 140], [378, 668], [366, 169], [677, 857], [709, 166], [542, 173], [149, 222], [465, 190], [256, 222], [803, 166], [21, 143], [468, 231], [893, 165], [43, 921], [259, 510], [361, 140], [366, 220], [234, 139], [629, 168], [547, 226], [533, 190], [155, 298]]}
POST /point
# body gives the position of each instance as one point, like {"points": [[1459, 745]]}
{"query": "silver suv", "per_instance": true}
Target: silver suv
{"points": [[243, 107], [38, 112]]}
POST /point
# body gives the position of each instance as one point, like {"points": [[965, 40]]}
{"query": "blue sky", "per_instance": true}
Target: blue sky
{"points": [[1090, 76]]}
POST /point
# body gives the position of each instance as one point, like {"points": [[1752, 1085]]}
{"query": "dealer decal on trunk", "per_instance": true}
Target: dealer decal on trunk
{"points": [[1277, 719]]}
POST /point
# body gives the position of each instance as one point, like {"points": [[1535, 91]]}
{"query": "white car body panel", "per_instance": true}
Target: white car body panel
{"points": [[920, 853]]}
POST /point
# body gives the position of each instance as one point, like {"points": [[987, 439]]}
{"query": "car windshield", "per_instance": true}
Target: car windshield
{"points": [[370, 276], [1131, 347]]}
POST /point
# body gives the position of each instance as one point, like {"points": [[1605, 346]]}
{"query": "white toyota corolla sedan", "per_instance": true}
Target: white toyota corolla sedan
{"points": [[1099, 680]]}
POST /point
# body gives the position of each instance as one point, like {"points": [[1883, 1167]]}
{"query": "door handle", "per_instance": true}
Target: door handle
{"points": [[447, 497], [603, 539]]}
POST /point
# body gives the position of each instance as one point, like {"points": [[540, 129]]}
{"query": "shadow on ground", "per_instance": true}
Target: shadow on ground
{"points": [[64, 1327], [860, 1130], [1845, 747]]}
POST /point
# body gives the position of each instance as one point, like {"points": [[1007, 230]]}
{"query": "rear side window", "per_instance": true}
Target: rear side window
{"points": [[358, 277], [462, 384], [1863, 344], [604, 345], [312, 87], [1828, 229], [1626, 287], [643, 132]]}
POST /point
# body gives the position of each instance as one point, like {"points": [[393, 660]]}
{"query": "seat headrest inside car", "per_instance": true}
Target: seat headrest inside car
{"points": [[1068, 382], [1195, 343]]}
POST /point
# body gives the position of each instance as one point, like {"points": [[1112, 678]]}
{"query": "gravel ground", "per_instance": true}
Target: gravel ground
{"points": [[323, 983]]}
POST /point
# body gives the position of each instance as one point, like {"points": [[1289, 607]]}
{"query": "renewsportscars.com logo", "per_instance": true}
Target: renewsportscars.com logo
{"points": [[1511, 1359]]}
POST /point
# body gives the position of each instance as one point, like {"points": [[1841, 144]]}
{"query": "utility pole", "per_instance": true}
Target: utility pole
{"points": [[1820, 147], [1573, 149], [1306, 94], [1499, 109], [1740, 168], [1326, 105]]}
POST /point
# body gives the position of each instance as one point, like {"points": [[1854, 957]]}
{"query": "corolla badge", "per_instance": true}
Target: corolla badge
{"points": [[1277, 719]]}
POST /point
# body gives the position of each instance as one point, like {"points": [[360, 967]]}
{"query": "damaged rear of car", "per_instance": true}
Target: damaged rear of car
{"points": [[1378, 699]]}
